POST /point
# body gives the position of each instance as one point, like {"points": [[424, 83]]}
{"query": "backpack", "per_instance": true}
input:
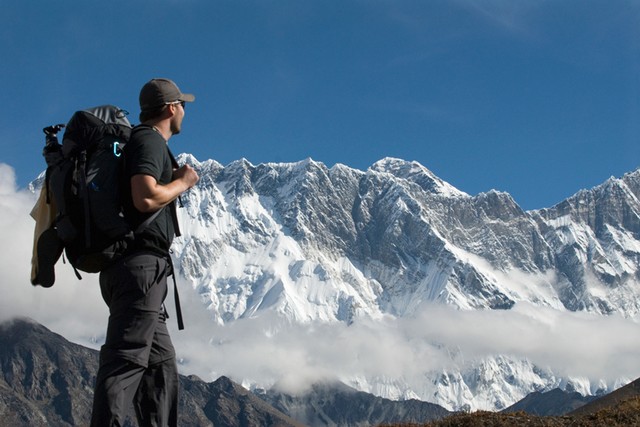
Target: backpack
{"points": [[84, 180], [83, 189]]}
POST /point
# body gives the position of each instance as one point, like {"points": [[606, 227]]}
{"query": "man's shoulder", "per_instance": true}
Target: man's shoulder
{"points": [[145, 139], [144, 133]]}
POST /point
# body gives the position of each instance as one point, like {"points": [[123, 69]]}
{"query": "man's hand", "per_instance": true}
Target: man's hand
{"points": [[149, 196], [187, 175]]}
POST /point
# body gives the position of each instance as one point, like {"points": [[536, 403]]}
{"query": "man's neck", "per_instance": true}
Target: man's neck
{"points": [[160, 127]]}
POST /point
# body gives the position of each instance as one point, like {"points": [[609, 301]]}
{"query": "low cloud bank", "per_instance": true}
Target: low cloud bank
{"points": [[268, 349]]}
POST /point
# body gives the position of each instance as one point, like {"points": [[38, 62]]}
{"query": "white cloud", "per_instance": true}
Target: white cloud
{"points": [[574, 344], [268, 349], [514, 17], [71, 307]]}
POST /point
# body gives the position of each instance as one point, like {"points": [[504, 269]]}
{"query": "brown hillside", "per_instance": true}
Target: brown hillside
{"points": [[622, 414], [622, 394]]}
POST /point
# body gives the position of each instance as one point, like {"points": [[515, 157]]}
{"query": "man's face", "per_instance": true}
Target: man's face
{"points": [[178, 115]]}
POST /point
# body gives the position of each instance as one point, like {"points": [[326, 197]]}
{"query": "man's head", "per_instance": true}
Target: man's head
{"points": [[159, 95]]}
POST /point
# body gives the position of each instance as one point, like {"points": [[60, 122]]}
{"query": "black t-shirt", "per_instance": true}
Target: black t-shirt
{"points": [[147, 154]]}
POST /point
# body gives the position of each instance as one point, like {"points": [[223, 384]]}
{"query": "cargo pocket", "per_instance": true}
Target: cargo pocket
{"points": [[146, 271]]}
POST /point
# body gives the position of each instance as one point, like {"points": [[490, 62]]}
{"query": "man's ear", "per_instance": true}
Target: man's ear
{"points": [[172, 109]]}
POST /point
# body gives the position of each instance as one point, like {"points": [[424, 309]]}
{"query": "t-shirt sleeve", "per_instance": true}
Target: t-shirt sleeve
{"points": [[144, 158]]}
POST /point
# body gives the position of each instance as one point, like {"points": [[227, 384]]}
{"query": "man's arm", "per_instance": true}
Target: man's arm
{"points": [[149, 196]]}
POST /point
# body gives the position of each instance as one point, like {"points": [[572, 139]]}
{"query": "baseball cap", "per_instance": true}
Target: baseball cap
{"points": [[157, 92]]}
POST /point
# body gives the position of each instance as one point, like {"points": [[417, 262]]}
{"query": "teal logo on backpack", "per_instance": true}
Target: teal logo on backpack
{"points": [[117, 151]]}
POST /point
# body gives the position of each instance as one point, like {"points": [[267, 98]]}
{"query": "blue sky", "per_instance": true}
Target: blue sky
{"points": [[536, 98]]}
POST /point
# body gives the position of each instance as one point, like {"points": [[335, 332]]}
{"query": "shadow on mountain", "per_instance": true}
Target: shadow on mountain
{"points": [[553, 402]]}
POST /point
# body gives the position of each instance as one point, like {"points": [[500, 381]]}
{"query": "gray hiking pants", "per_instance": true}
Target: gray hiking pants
{"points": [[137, 360]]}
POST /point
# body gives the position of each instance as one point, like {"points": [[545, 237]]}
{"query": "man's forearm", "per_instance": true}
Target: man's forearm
{"points": [[149, 196]]}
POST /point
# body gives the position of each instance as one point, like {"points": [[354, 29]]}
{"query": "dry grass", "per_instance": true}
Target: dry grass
{"points": [[624, 414]]}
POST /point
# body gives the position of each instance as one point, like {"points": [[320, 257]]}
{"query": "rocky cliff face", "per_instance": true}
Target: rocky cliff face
{"points": [[387, 239], [595, 236], [45, 379]]}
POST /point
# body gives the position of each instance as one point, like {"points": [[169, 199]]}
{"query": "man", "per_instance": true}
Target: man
{"points": [[137, 361]]}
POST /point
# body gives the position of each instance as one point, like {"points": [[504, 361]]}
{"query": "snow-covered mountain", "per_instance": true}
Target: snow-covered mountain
{"points": [[317, 244]]}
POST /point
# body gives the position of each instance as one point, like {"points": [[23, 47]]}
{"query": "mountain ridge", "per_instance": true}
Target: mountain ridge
{"points": [[318, 244], [351, 229]]}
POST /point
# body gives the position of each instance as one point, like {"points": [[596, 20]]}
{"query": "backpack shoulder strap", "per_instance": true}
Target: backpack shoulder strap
{"points": [[174, 211]]}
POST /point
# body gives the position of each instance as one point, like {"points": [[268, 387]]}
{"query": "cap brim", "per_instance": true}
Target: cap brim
{"points": [[187, 97]]}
